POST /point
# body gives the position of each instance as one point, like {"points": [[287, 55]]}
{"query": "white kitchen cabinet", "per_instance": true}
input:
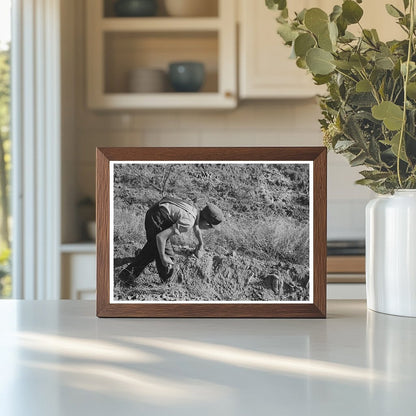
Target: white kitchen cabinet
{"points": [[265, 69], [118, 45], [78, 262], [79, 281]]}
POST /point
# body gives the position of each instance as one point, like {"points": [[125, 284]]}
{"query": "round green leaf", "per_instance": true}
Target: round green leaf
{"points": [[333, 32], [411, 90], [391, 114], [319, 61], [358, 61], [322, 79], [342, 25], [344, 65], [276, 4], [363, 86], [303, 43], [395, 144], [316, 20], [384, 62], [301, 63], [336, 12], [375, 35], [351, 11], [403, 66], [347, 37], [325, 42], [393, 11], [287, 33], [301, 15], [327, 39]]}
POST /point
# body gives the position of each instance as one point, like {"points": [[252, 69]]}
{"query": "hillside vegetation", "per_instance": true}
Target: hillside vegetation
{"points": [[259, 252]]}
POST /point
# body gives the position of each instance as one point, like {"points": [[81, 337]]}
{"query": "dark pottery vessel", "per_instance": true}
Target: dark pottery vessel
{"points": [[186, 76], [135, 8]]}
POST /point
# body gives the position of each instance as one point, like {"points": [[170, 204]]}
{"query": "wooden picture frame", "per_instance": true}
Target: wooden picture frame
{"points": [[311, 160]]}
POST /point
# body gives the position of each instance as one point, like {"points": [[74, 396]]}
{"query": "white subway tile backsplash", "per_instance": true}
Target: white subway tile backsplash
{"points": [[341, 180], [346, 219], [202, 120], [96, 120], [156, 119], [231, 138], [242, 117], [280, 137], [279, 116], [168, 138], [259, 123], [306, 114], [131, 139]]}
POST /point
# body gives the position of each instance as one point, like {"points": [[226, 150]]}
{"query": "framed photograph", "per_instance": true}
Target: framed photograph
{"points": [[211, 232]]}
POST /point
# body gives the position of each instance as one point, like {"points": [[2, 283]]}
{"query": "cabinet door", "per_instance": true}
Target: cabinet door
{"points": [[78, 276], [265, 68], [118, 46], [266, 71]]}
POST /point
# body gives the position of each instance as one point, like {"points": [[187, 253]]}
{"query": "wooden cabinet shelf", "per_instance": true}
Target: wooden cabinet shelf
{"points": [[346, 264], [346, 269], [160, 24], [166, 100], [117, 46]]}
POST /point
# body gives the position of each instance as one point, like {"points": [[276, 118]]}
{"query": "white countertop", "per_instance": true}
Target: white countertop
{"points": [[57, 358]]}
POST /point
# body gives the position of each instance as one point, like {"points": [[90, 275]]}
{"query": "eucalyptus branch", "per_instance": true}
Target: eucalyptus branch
{"points": [[369, 41], [392, 91], [398, 95], [406, 79], [404, 28], [390, 96], [373, 88], [342, 49], [346, 75]]}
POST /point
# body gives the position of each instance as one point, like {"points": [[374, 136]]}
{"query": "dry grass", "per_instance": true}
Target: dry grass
{"points": [[265, 233], [277, 239]]}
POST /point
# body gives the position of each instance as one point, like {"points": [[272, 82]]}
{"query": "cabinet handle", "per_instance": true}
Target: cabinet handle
{"points": [[229, 94]]}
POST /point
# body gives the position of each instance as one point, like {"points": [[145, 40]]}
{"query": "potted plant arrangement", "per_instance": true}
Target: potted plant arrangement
{"points": [[369, 116]]}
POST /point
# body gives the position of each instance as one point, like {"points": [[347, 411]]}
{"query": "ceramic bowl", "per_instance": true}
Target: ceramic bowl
{"points": [[186, 76], [135, 8]]}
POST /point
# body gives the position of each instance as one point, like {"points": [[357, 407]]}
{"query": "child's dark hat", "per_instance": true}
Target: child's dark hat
{"points": [[212, 214]]}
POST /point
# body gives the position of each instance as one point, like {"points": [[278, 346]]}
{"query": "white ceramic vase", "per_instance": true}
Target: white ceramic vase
{"points": [[391, 253]]}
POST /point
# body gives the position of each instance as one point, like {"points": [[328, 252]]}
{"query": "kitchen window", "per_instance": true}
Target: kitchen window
{"points": [[5, 149]]}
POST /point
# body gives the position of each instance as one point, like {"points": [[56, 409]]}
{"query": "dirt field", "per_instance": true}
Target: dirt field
{"points": [[259, 253]]}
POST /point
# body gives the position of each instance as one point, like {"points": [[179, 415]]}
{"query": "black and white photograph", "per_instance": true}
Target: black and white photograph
{"points": [[211, 232]]}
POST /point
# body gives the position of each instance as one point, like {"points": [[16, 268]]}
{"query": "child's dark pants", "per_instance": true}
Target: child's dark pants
{"points": [[156, 221]]}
